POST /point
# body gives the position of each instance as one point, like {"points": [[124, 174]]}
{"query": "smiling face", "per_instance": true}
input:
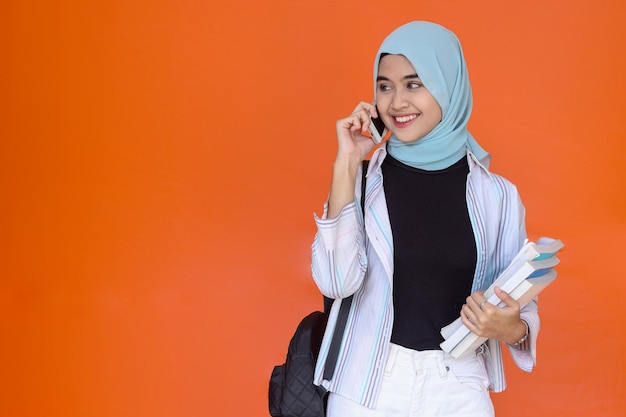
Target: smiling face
{"points": [[409, 111]]}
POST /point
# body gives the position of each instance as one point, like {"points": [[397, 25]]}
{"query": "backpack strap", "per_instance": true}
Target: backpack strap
{"points": [[363, 183]]}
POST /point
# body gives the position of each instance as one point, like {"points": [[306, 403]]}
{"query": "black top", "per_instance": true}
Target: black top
{"points": [[434, 249]]}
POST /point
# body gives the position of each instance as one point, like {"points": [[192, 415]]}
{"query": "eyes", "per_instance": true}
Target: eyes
{"points": [[410, 85]]}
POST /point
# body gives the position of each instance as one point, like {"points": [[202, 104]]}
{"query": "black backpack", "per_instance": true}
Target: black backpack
{"points": [[292, 392], [291, 389]]}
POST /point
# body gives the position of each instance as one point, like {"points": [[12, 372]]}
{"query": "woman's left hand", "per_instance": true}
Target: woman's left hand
{"points": [[488, 320]]}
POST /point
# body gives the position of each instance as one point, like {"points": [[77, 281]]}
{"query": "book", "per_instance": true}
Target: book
{"points": [[507, 281], [523, 293], [528, 289], [533, 261], [456, 331]]}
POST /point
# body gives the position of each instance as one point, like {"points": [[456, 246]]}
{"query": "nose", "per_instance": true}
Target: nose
{"points": [[398, 100]]}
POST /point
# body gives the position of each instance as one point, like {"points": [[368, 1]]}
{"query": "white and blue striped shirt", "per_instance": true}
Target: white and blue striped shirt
{"points": [[348, 259]]}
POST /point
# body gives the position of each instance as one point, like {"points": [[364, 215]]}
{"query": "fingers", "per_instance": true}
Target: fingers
{"points": [[355, 126], [506, 298], [473, 309], [362, 118], [478, 302], [489, 320], [362, 112], [369, 108], [359, 119], [476, 312], [352, 133], [470, 320]]}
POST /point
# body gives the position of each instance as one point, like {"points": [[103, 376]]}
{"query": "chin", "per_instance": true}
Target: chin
{"points": [[408, 138]]}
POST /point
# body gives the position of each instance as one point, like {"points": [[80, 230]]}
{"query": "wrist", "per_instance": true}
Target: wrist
{"points": [[342, 186], [518, 341], [347, 164]]}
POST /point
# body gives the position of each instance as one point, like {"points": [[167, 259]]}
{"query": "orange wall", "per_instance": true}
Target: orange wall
{"points": [[161, 161]]}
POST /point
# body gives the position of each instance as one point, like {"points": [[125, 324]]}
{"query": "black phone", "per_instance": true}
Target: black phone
{"points": [[377, 129]]}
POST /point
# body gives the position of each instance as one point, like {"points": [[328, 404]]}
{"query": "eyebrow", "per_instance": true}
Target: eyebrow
{"points": [[406, 77]]}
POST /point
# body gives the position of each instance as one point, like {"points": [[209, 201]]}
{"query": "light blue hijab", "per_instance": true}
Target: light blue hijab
{"points": [[436, 54]]}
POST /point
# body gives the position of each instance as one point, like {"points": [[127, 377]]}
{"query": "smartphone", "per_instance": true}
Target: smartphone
{"points": [[377, 129]]}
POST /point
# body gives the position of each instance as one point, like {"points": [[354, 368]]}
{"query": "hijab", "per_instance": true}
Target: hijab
{"points": [[436, 54]]}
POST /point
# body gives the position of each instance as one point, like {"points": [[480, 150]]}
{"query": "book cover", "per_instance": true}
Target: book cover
{"points": [[508, 281], [523, 293], [534, 260]]}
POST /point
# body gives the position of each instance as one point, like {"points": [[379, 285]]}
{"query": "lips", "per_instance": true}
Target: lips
{"points": [[404, 120]]}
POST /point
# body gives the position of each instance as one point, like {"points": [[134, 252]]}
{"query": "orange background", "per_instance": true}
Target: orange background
{"points": [[161, 161]]}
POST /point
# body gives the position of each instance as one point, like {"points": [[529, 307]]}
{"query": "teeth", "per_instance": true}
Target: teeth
{"points": [[404, 119]]}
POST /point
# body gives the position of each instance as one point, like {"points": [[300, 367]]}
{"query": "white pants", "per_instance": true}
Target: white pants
{"points": [[424, 384]]}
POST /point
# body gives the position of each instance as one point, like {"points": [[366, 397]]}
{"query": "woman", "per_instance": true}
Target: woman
{"points": [[437, 229]]}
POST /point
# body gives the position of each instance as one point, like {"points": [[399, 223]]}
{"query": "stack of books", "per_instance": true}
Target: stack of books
{"points": [[527, 275]]}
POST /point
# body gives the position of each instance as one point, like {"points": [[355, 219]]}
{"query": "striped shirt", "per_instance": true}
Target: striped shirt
{"points": [[352, 254]]}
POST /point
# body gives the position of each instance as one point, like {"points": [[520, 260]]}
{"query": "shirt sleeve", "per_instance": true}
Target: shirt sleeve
{"points": [[525, 355], [339, 260]]}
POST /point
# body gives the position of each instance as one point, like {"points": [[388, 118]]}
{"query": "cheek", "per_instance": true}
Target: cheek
{"points": [[387, 120], [432, 111], [438, 114], [435, 108], [382, 102]]}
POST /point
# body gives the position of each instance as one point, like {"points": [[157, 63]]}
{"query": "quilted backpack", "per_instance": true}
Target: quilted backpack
{"points": [[291, 389]]}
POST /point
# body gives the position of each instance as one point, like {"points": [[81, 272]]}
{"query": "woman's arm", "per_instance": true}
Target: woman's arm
{"points": [[338, 254], [352, 147]]}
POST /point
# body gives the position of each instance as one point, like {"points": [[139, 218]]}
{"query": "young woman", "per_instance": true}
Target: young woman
{"points": [[437, 229]]}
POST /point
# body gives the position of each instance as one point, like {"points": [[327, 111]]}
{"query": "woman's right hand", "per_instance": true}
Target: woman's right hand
{"points": [[352, 142], [352, 148]]}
